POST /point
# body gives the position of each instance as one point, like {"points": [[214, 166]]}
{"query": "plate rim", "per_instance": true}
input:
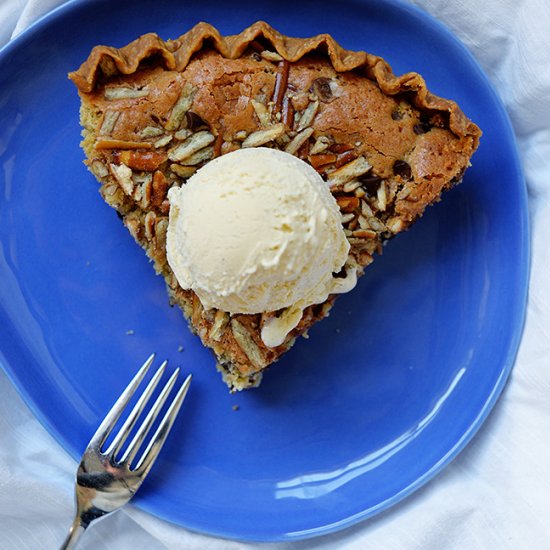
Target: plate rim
{"points": [[508, 363]]}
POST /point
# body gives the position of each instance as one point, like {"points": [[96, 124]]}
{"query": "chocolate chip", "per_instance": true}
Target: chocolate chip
{"points": [[370, 183], [155, 119], [397, 115], [256, 56], [321, 86], [194, 121], [403, 169], [421, 128]]}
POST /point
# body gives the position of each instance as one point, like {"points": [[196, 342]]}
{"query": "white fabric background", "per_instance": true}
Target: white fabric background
{"points": [[496, 494]]}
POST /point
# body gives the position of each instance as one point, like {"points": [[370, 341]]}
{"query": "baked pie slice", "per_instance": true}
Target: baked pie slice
{"points": [[153, 112]]}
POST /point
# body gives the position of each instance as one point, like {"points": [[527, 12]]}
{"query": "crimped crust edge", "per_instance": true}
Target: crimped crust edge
{"points": [[176, 54]]}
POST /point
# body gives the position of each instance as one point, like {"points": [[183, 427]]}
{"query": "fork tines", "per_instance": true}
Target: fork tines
{"points": [[147, 458]]}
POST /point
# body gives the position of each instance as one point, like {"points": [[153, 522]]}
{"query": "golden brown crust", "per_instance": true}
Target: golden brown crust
{"points": [[176, 54]]}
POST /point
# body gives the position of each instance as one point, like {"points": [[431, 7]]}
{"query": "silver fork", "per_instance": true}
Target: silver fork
{"points": [[106, 481]]}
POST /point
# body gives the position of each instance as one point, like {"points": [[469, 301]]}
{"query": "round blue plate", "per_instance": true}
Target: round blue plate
{"points": [[383, 394]]}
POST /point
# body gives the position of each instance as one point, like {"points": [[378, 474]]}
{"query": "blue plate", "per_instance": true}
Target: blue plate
{"points": [[383, 394]]}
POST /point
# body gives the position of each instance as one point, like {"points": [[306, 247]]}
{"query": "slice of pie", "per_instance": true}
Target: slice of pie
{"points": [[155, 111]]}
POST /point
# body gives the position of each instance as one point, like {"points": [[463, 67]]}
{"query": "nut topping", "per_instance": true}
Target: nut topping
{"points": [[395, 225], [140, 160], [221, 320], [149, 224], [143, 189], [346, 157], [376, 224], [346, 218], [366, 210], [109, 120], [183, 171], [191, 145], [340, 148], [240, 135], [363, 223], [364, 234], [288, 113], [298, 141], [351, 186], [110, 190], [98, 168], [123, 175], [404, 193], [346, 203], [307, 116], [161, 227], [247, 344], [381, 197], [121, 144], [182, 105], [261, 112], [271, 56], [317, 161], [122, 92], [161, 142], [321, 144], [200, 156], [281, 82], [159, 188], [151, 131], [183, 134], [349, 171], [255, 139]]}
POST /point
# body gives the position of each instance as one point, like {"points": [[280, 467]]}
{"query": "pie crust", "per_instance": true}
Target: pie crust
{"points": [[154, 111]]}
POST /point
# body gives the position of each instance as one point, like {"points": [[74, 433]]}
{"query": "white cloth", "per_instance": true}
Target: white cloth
{"points": [[496, 494]]}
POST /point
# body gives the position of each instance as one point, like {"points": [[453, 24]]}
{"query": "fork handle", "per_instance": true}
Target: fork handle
{"points": [[75, 533]]}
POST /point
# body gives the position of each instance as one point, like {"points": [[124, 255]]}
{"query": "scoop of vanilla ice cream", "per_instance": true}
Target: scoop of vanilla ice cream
{"points": [[257, 230]]}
